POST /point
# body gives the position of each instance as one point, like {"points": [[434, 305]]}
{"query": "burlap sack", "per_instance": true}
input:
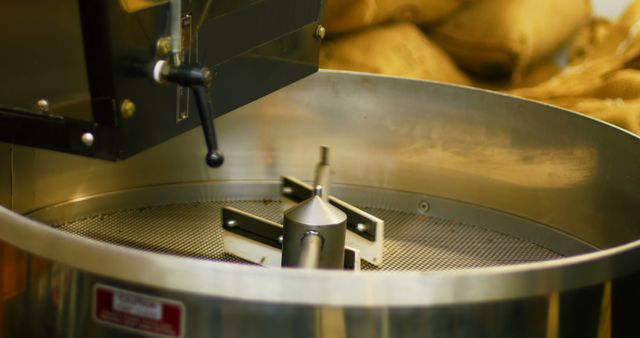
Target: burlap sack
{"points": [[500, 38], [622, 113], [346, 15], [598, 83], [399, 49], [620, 37], [533, 76], [587, 37], [620, 47], [623, 84]]}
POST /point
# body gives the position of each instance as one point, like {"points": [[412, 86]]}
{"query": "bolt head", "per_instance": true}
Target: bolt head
{"points": [[127, 109], [231, 223], [280, 239], [207, 76], [287, 190], [87, 139], [423, 206], [361, 227], [163, 46], [320, 32], [43, 105]]}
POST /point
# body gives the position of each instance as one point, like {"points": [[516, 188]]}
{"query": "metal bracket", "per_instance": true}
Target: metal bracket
{"points": [[259, 241], [364, 231], [253, 227], [359, 222]]}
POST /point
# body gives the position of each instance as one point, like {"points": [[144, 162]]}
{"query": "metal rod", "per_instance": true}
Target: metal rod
{"points": [[311, 247], [324, 155], [323, 174], [176, 31]]}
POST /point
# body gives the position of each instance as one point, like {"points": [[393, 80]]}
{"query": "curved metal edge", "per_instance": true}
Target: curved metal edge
{"points": [[601, 170], [336, 288], [557, 240], [324, 288], [487, 91]]}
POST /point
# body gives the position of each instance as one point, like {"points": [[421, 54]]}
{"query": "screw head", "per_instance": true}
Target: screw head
{"points": [[127, 108], [231, 223], [361, 227], [207, 76], [183, 116], [423, 206], [280, 239], [320, 32], [287, 190], [87, 139], [163, 46], [43, 105]]}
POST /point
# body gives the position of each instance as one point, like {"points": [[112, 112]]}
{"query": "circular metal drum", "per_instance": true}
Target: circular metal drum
{"points": [[503, 218]]}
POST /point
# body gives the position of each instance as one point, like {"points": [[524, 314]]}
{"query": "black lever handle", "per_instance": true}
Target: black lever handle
{"points": [[214, 157], [198, 79]]}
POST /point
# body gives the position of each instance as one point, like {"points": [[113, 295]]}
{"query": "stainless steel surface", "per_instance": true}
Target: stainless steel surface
{"points": [[314, 215], [323, 174], [498, 152], [403, 288], [583, 313], [541, 174], [414, 242], [50, 36], [176, 31], [310, 252], [313, 220], [371, 227]]}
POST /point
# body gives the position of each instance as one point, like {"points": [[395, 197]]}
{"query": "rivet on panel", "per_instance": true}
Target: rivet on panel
{"points": [[87, 139], [127, 108], [43, 105], [320, 32]]}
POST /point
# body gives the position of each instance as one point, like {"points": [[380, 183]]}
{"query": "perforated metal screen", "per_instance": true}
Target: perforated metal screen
{"points": [[412, 241]]}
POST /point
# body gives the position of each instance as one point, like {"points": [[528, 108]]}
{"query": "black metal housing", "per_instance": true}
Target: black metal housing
{"points": [[253, 47]]}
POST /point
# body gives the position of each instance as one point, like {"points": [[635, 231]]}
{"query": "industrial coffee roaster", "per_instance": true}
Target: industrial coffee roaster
{"points": [[342, 205]]}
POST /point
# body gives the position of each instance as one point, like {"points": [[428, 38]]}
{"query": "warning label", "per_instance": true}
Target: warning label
{"points": [[137, 312]]}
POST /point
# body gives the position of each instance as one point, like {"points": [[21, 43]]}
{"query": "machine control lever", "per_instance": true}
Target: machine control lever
{"points": [[198, 78], [214, 157]]}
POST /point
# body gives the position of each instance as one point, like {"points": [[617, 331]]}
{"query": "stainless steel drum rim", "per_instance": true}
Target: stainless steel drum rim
{"points": [[318, 287], [598, 205], [185, 220]]}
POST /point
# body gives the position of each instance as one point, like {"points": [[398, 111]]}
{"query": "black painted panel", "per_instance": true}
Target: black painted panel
{"points": [[253, 47]]}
